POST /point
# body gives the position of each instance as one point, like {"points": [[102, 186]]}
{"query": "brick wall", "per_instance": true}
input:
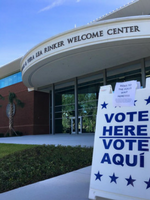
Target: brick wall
{"points": [[41, 113], [33, 118]]}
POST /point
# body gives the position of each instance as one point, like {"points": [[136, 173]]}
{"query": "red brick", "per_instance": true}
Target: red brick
{"points": [[33, 118]]}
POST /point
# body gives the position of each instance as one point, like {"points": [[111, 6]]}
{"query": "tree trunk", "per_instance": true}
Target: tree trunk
{"points": [[11, 119]]}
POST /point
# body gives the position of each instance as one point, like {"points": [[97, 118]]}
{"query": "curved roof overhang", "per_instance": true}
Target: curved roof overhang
{"points": [[10, 68], [94, 47], [133, 8]]}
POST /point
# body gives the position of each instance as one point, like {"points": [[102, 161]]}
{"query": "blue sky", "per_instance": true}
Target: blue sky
{"points": [[25, 23]]}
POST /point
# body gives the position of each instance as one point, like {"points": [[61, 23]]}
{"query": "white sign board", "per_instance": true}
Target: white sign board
{"points": [[121, 157], [124, 94]]}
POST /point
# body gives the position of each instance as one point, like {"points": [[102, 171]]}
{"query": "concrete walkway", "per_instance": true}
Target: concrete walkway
{"points": [[62, 139], [70, 186]]}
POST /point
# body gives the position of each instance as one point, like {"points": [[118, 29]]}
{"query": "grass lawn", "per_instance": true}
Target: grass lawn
{"points": [[6, 149], [21, 165]]}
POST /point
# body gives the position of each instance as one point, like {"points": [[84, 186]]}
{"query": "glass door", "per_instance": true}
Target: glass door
{"points": [[73, 125]]}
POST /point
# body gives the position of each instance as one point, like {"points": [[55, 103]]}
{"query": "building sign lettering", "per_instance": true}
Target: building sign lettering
{"points": [[80, 38], [54, 46], [128, 29]]}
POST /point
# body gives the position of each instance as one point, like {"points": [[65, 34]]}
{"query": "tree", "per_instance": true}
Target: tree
{"points": [[1, 97], [87, 109], [12, 98]]}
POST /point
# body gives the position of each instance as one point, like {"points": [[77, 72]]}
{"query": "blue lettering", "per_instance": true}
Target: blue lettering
{"points": [[129, 129], [134, 163], [117, 130], [131, 114], [143, 116], [120, 146], [109, 119], [109, 130], [141, 129], [107, 146], [131, 144], [130, 160], [116, 161], [142, 160], [120, 117], [141, 145], [106, 158]]}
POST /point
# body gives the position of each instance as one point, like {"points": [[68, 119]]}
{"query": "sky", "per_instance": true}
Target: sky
{"points": [[26, 23]]}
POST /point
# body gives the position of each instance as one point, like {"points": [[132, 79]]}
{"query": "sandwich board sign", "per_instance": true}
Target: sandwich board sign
{"points": [[121, 157]]}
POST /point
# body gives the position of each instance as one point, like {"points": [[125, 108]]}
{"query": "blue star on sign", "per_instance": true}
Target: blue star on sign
{"points": [[135, 102], [148, 100], [148, 184], [113, 178], [130, 181], [98, 176], [104, 105]]}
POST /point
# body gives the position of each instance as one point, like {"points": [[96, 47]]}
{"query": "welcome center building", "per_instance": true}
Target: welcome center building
{"points": [[59, 79]]}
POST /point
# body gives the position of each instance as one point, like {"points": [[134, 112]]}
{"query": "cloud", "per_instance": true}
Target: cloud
{"points": [[78, 1], [52, 5]]}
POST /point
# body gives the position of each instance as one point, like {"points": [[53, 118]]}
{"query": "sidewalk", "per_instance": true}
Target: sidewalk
{"points": [[86, 139], [70, 186]]}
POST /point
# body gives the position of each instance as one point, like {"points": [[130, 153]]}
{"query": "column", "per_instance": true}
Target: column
{"points": [[104, 76], [76, 105], [143, 72], [53, 109], [50, 111]]}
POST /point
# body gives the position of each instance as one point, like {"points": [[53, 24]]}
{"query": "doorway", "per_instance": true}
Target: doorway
{"points": [[73, 125]]}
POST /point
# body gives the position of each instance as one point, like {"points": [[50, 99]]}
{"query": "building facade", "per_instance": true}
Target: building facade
{"points": [[61, 76]]}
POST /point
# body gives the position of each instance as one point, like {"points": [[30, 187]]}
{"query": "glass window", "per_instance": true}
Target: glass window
{"points": [[87, 107], [147, 72], [87, 104], [64, 109], [147, 67], [126, 75], [10, 80]]}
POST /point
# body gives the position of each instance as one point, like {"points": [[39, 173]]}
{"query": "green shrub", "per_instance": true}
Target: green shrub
{"points": [[39, 163]]}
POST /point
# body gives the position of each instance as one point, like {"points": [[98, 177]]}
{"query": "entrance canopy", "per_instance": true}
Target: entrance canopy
{"points": [[133, 8], [86, 50]]}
